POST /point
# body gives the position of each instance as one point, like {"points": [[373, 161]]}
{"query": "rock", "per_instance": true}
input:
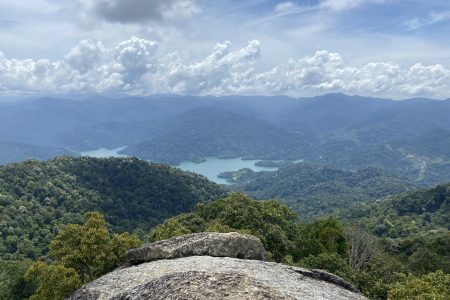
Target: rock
{"points": [[205, 277], [212, 266], [199, 244]]}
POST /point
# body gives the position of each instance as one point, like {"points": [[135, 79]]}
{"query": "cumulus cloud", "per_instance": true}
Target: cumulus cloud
{"points": [[135, 55], [135, 66], [132, 11]]}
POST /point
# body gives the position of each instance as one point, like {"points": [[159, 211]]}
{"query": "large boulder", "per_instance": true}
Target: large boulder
{"points": [[205, 277], [212, 266], [208, 243]]}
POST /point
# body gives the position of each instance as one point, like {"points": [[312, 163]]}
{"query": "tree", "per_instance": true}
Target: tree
{"points": [[361, 247], [378, 274], [55, 281], [330, 262], [323, 235], [433, 286], [82, 253], [13, 285], [272, 222]]}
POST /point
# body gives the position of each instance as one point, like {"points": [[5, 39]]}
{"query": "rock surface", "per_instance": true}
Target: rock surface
{"points": [[205, 277], [195, 266], [208, 243]]}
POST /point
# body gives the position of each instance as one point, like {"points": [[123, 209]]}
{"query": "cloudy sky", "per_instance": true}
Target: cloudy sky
{"points": [[384, 48]]}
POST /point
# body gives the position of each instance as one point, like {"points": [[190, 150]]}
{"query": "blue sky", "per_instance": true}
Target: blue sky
{"points": [[387, 48]]}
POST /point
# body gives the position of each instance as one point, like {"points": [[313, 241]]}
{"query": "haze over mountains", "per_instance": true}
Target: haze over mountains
{"points": [[347, 171], [407, 137]]}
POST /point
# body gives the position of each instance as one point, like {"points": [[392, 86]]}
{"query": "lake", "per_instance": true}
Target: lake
{"points": [[210, 168], [213, 166], [103, 152]]}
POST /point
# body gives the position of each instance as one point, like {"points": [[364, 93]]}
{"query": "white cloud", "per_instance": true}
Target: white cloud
{"points": [[287, 6], [134, 66], [433, 18], [339, 5], [86, 55], [135, 55]]}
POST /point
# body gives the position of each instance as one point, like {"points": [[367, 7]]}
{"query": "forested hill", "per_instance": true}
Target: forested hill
{"points": [[414, 225], [37, 197], [11, 151], [204, 132], [315, 190], [350, 132], [405, 214]]}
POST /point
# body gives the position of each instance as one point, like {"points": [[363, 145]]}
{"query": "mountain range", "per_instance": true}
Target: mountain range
{"points": [[408, 137]]}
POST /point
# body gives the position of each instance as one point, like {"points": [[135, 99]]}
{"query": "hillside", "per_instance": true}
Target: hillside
{"points": [[408, 137], [12, 152], [315, 190], [415, 226], [405, 214], [37, 197], [432, 143], [207, 132]]}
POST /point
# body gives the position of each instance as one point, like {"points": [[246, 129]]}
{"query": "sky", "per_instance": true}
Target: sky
{"points": [[382, 48]]}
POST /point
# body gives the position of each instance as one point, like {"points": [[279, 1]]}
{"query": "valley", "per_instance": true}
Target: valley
{"points": [[407, 137], [225, 150], [342, 172]]}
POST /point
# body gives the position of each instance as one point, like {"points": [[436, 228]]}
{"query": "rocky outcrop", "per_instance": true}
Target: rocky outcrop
{"points": [[199, 244], [172, 269]]}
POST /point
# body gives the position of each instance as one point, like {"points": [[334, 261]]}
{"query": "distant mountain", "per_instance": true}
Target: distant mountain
{"points": [[12, 152], [314, 190], [329, 113], [406, 137], [434, 144], [36, 198], [204, 132]]}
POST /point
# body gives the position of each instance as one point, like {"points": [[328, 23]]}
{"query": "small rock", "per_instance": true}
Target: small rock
{"points": [[199, 244]]}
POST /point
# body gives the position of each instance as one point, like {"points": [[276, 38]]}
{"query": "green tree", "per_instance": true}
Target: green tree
{"points": [[376, 277], [330, 262], [82, 253], [13, 285], [433, 286], [55, 281]]}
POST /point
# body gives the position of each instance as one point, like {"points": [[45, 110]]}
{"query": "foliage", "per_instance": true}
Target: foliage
{"points": [[13, 285], [362, 247], [89, 249], [12, 152], [36, 198], [405, 214], [271, 221], [330, 262], [82, 253], [55, 281], [415, 227], [204, 132], [313, 190], [433, 286], [350, 132], [372, 264], [375, 279]]}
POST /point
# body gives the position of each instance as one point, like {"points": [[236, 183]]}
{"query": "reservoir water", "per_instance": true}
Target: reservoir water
{"points": [[210, 168], [103, 152], [213, 166]]}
